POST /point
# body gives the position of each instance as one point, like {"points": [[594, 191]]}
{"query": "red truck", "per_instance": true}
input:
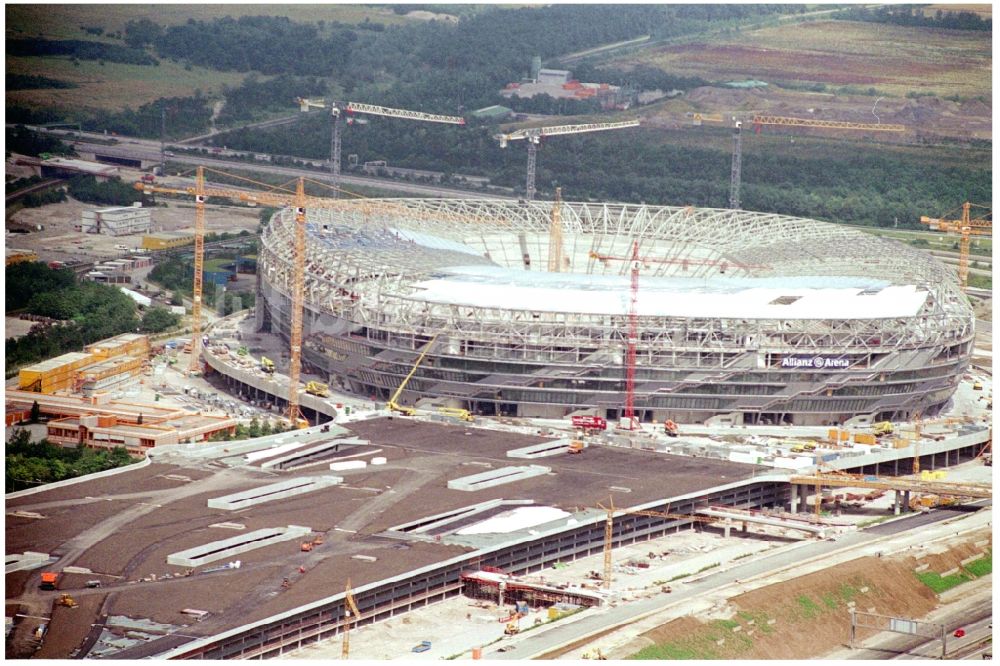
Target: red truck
{"points": [[148, 178], [590, 423], [50, 580]]}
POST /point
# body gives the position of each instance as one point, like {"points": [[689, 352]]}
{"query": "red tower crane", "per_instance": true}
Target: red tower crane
{"points": [[632, 335]]}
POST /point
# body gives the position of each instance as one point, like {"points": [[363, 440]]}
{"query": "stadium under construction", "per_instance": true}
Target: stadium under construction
{"points": [[741, 317]]}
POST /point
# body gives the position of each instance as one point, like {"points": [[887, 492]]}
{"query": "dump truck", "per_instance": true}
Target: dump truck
{"points": [[318, 389], [50, 580], [266, 365], [455, 412], [588, 423], [882, 428], [670, 428]]}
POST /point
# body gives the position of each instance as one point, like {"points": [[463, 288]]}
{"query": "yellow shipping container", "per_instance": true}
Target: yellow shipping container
{"points": [[864, 438], [132, 344], [54, 374]]}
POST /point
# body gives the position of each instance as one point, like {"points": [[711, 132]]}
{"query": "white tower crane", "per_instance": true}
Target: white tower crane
{"points": [[336, 108], [534, 136]]}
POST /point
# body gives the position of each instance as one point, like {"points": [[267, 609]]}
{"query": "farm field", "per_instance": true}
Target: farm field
{"points": [[66, 21], [894, 60], [848, 61], [111, 86]]}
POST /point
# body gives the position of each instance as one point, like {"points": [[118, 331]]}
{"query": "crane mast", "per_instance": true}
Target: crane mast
{"points": [[555, 235], [199, 262], [735, 175], [534, 135], [299, 201], [633, 337], [298, 287], [337, 108], [734, 172]]}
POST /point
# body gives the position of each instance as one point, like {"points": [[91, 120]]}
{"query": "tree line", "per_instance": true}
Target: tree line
{"points": [[80, 49], [29, 464], [88, 311], [914, 16]]}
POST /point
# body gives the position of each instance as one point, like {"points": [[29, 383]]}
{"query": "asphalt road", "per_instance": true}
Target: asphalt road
{"points": [[149, 150], [975, 618], [527, 647]]}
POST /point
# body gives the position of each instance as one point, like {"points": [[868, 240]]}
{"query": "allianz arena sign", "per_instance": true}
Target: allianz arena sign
{"points": [[817, 362]]}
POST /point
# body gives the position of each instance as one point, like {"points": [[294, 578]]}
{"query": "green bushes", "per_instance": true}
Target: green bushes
{"points": [[29, 464]]}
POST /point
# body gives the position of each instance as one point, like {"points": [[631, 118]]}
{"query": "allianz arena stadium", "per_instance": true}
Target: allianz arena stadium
{"points": [[742, 317]]}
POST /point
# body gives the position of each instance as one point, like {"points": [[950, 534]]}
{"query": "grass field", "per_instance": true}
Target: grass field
{"points": [[894, 60], [111, 86], [66, 21]]}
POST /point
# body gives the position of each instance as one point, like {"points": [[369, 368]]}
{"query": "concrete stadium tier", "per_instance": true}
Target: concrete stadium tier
{"points": [[743, 317]]}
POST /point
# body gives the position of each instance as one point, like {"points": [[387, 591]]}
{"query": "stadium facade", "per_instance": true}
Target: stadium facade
{"points": [[742, 316]]}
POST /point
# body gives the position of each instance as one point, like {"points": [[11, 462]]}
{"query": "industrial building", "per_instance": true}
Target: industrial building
{"points": [[117, 221], [741, 317], [559, 84], [166, 240]]}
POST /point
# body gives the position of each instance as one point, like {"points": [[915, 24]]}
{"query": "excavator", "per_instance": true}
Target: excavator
{"points": [[392, 404]]}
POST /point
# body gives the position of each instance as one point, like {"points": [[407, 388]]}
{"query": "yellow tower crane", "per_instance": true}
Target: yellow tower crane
{"points": [[555, 235], [534, 136], [759, 120], [351, 614], [966, 227], [299, 201], [610, 524]]}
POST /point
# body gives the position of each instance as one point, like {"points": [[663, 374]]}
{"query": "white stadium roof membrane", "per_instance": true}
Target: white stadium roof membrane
{"points": [[799, 297]]}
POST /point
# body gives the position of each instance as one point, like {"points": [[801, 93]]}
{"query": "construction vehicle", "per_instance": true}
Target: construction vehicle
{"points": [[318, 389], [511, 629], [392, 404], [534, 136], [148, 178], [266, 365], [576, 446], [67, 601], [670, 428], [589, 423], [306, 546], [978, 386], [882, 428], [50, 580], [455, 412], [966, 227]]}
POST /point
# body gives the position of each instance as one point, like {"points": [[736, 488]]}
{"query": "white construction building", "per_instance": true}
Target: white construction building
{"points": [[118, 221]]}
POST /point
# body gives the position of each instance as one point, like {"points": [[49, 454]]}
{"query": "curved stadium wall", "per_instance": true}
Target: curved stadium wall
{"points": [[741, 316]]}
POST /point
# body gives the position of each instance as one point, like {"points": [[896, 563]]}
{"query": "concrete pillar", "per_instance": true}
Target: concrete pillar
{"points": [[946, 457], [895, 503], [895, 469], [727, 526], [906, 501]]}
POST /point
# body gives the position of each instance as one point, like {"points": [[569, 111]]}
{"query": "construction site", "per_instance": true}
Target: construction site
{"points": [[504, 414]]}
